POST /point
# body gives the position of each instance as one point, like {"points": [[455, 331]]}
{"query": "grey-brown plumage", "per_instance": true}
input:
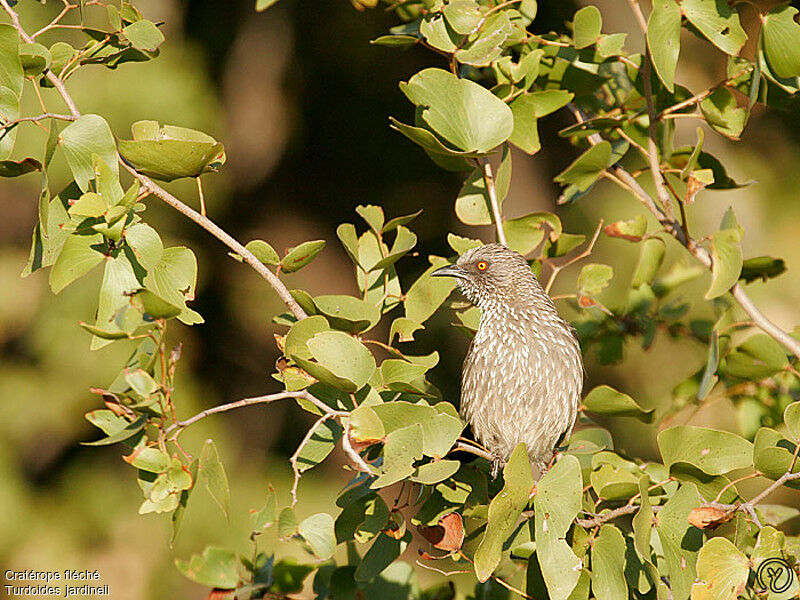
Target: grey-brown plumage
{"points": [[523, 374]]}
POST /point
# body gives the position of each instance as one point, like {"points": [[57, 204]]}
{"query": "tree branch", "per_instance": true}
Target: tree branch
{"points": [[160, 192], [491, 190]]}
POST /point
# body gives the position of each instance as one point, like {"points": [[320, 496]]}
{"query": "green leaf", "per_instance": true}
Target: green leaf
{"points": [[762, 267], [427, 293], [171, 152], [587, 26], [80, 140], [11, 73], [319, 446], [342, 361], [780, 33], [404, 330], [435, 472], [473, 206], [556, 504], [144, 35], [216, 567], [9, 111], [383, 552], [362, 519], [774, 454], [722, 571], [211, 471], [147, 459], [759, 356], [726, 266], [120, 435], [262, 5], [650, 259], [613, 477], [288, 576], [154, 307], [12, 168], [174, 278], [428, 140], [347, 313], [401, 449], [664, 40], [263, 252], [394, 41], [723, 113], [608, 564], [463, 16], [317, 530], [488, 45], [302, 254], [524, 234], [680, 541], [261, 519], [791, 416], [35, 58], [287, 523], [594, 278], [449, 104], [373, 215], [605, 400], [504, 510], [712, 451], [77, 258], [718, 22], [394, 223], [295, 344], [404, 241], [586, 169], [119, 281]]}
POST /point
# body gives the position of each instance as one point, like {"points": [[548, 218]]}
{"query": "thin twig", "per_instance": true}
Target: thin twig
{"points": [[293, 460], [652, 145], [586, 252], [491, 190], [252, 401], [354, 456], [37, 118]]}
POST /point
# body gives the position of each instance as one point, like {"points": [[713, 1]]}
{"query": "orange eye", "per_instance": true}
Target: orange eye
{"points": [[482, 265]]}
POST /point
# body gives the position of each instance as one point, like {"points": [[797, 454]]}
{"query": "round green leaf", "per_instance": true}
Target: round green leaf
{"points": [[302, 254], [216, 567], [791, 416], [449, 107], [144, 35], [347, 313], [317, 530], [664, 40], [88, 135], [712, 451], [504, 510], [718, 22], [35, 58], [722, 571], [342, 361], [780, 38], [608, 564], [605, 400], [171, 152], [588, 24]]}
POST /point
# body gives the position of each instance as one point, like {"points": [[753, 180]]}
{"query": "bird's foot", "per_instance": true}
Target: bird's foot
{"points": [[497, 464]]}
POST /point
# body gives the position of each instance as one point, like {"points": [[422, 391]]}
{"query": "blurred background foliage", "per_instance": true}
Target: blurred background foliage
{"points": [[300, 100]]}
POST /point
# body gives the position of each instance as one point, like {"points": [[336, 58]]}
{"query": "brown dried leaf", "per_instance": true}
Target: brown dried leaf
{"points": [[447, 535], [709, 517]]}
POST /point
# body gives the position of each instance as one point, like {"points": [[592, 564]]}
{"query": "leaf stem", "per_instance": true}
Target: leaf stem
{"points": [[491, 190]]}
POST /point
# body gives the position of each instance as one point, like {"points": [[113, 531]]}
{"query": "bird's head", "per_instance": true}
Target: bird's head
{"points": [[492, 274]]}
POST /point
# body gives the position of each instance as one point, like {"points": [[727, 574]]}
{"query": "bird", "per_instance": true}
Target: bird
{"points": [[523, 373]]}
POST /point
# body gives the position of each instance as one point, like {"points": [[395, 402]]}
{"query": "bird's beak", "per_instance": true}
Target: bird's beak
{"points": [[450, 271]]}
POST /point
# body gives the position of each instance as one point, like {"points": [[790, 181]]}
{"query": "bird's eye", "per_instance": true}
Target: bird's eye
{"points": [[482, 265]]}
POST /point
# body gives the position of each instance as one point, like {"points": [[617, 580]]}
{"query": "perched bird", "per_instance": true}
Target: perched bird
{"points": [[523, 374]]}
